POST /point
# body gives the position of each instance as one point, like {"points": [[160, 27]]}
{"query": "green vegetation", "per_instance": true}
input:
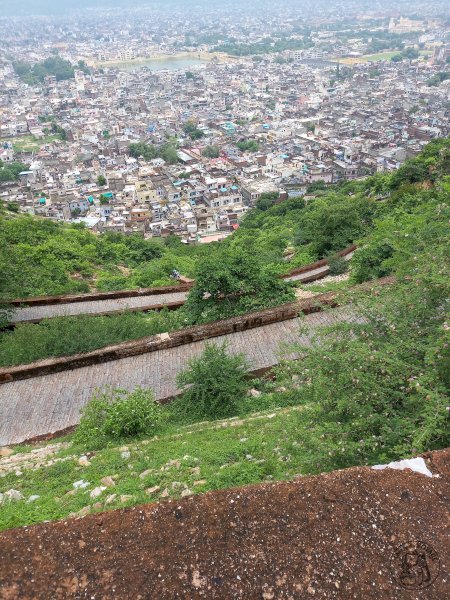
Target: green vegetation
{"points": [[114, 414], [54, 65], [438, 78], [10, 171], [265, 46], [337, 264], [408, 54], [248, 146], [64, 336], [101, 180], [232, 281], [211, 152], [40, 257], [191, 129], [30, 143], [168, 151], [213, 385]]}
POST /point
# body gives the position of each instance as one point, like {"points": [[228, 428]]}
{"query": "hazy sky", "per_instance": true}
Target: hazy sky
{"points": [[64, 7]]}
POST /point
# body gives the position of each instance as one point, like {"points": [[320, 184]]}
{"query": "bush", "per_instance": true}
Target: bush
{"points": [[113, 414], [213, 384], [133, 414], [337, 265]]}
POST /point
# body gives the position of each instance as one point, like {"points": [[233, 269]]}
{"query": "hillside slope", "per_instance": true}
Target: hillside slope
{"points": [[358, 533]]}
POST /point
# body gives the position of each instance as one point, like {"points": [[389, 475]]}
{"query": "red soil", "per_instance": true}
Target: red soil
{"points": [[337, 535]]}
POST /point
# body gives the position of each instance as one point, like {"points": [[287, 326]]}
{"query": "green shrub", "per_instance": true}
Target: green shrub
{"points": [[132, 414], [337, 265], [213, 384], [113, 414]]}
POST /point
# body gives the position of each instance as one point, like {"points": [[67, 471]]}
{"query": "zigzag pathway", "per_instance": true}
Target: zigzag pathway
{"points": [[51, 403]]}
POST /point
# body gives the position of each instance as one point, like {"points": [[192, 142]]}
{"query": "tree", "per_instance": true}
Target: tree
{"points": [[248, 146], [316, 186], [189, 75], [191, 129], [266, 200], [211, 152], [101, 180], [54, 65], [231, 281], [10, 171], [169, 154], [213, 384], [147, 151]]}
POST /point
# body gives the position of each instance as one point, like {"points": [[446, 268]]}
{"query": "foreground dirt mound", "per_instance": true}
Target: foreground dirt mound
{"points": [[352, 534]]}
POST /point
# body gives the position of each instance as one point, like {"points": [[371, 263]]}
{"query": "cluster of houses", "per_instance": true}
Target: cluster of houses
{"points": [[268, 123]]}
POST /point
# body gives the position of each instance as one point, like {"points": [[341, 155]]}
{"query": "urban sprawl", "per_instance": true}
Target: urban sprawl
{"points": [[173, 125]]}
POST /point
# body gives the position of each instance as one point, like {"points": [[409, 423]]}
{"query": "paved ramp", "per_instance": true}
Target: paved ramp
{"points": [[92, 307], [112, 305], [45, 404]]}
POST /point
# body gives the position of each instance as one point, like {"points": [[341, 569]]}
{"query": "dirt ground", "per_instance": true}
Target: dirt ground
{"points": [[354, 534]]}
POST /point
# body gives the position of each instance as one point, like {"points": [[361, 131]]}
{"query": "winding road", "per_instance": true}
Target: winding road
{"points": [[51, 403], [145, 302]]}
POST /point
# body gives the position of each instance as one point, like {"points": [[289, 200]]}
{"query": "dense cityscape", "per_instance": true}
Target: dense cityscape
{"points": [[164, 125]]}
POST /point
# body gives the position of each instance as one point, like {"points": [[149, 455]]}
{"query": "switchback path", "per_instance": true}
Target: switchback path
{"points": [[51, 403], [35, 313], [314, 274], [96, 307]]}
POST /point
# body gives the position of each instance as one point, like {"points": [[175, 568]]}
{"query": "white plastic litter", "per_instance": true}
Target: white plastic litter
{"points": [[417, 465]]}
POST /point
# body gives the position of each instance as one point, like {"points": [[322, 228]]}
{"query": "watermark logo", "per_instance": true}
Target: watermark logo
{"points": [[416, 565]]}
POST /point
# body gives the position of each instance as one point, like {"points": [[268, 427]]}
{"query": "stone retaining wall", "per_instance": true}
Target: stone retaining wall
{"points": [[177, 338]]}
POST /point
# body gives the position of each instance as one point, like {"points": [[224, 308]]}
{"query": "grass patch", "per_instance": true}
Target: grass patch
{"points": [[197, 458], [30, 143], [63, 336]]}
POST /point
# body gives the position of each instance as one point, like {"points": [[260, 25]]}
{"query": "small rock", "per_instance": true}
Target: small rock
{"points": [[97, 505], [84, 511], [195, 470], [13, 495], [6, 451], [200, 482], [80, 484], [176, 484], [152, 490], [125, 497], [110, 498], [18, 473], [254, 393], [96, 492], [145, 474], [186, 492], [125, 454], [33, 498], [84, 461], [165, 493], [108, 481]]}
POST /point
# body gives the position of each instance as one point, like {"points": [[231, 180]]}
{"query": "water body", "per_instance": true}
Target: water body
{"points": [[170, 63]]}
